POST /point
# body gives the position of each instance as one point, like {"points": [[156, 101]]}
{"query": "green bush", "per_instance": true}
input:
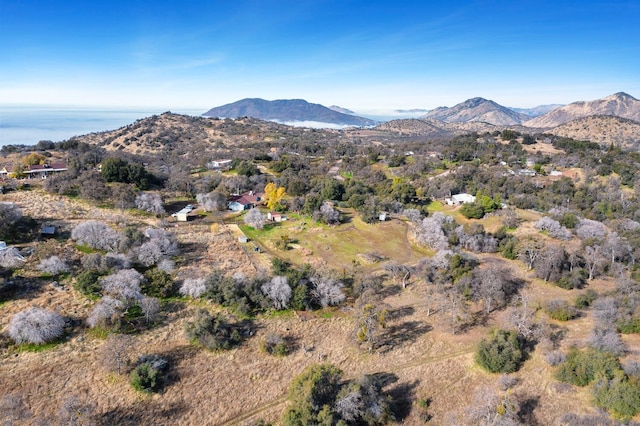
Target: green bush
{"points": [[560, 310], [584, 300], [212, 332], [144, 378], [501, 352], [629, 326], [472, 211], [87, 283], [158, 284], [619, 396], [312, 394], [148, 376], [583, 367]]}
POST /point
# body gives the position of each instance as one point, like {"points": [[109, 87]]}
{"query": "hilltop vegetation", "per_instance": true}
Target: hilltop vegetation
{"points": [[372, 303]]}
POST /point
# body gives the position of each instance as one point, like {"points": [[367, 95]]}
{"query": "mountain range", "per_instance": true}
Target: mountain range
{"points": [[475, 110]]}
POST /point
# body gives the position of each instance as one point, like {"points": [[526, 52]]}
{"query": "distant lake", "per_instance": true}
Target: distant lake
{"points": [[27, 125]]}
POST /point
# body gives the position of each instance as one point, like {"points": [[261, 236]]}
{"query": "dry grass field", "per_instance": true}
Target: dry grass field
{"points": [[244, 385]]}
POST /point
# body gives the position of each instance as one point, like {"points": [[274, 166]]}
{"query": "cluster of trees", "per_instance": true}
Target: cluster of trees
{"points": [[288, 288], [319, 395]]}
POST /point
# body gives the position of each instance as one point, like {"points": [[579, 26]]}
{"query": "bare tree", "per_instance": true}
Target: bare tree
{"points": [[161, 244], [106, 312], [53, 265], [213, 201], [489, 285], [550, 262], [95, 234], [150, 202], [399, 271], [430, 232], [588, 228], [594, 260], [150, 307], [255, 219], [193, 287], [606, 339], [327, 291], [528, 251], [11, 258], [166, 265], [328, 214], [115, 352], [553, 228], [115, 261], [413, 215], [124, 283], [522, 316], [35, 325], [278, 291], [490, 409], [616, 248], [10, 213], [605, 311]]}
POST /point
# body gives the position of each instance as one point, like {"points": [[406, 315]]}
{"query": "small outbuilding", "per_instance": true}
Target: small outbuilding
{"points": [[276, 217], [243, 239]]}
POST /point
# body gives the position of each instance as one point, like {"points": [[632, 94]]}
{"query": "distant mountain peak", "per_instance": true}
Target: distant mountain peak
{"points": [[287, 111], [621, 95], [477, 109]]}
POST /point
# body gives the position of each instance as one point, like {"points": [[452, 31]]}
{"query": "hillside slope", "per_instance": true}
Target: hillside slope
{"points": [[619, 104]]}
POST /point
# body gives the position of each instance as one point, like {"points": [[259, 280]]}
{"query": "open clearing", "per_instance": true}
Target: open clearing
{"points": [[244, 385]]}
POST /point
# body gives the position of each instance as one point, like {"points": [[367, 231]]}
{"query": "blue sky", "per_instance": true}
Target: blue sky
{"points": [[365, 56]]}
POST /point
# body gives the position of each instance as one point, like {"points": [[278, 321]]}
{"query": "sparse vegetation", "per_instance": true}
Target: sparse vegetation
{"points": [[331, 276]]}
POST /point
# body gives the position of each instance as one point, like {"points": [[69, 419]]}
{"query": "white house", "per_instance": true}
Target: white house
{"points": [[219, 164], [244, 201], [459, 199]]}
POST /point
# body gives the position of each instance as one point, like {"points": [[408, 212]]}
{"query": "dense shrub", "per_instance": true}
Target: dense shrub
{"points": [[311, 393], [148, 377], [583, 367], [584, 300], [619, 396], [212, 331], [87, 283], [318, 397], [472, 210], [560, 310], [501, 352], [35, 325], [158, 284]]}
